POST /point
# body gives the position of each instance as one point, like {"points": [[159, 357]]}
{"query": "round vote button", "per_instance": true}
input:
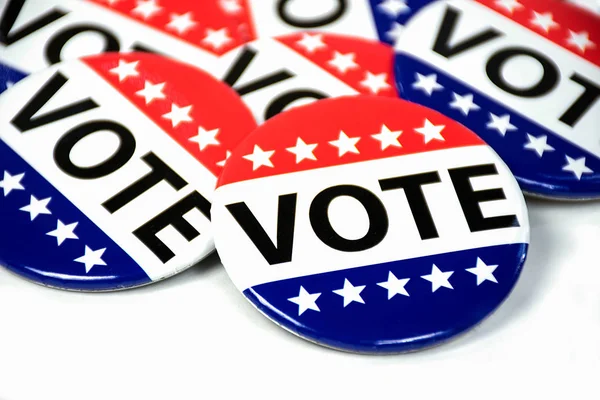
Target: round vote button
{"points": [[107, 169], [370, 224], [524, 75]]}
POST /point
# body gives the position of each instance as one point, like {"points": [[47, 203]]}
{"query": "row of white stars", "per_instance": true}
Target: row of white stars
{"points": [[62, 232], [312, 42], [344, 144], [147, 8], [394, 286], [545, 21], [464, 103], [181, 23], [177, 115], [342, 62]]}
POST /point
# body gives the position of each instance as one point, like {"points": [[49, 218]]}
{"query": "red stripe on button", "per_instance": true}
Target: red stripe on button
{"points": [[576, 30], [322, 122], [373, 72], [214, 105], [210, 25]]}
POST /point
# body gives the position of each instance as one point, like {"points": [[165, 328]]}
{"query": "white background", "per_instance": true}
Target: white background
{"points": [[195, 336]]}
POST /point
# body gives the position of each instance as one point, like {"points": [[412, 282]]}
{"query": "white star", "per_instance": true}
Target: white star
{"points": [[303, 151], [231, 6], [438, 278], [577, 167], [146, 8], [538, 144], [343, 62], [464, 103], [345, 144], [427, 84], [216, 38], [483, 272], [9, 84], [206, 138], [350, 293], [544, 21], [151, 92], [37, 207], [394, 285], [125, 70], [501, 124], [260, 158], [388, 137], [222, 162], [509, 5], [311, 42], [11, 182], [375, 82], [431, 131], [178, 114], [63, 232], [393, 8], [395, 31], [305, 301], [181, 22], [580, 40], [91, 258]]}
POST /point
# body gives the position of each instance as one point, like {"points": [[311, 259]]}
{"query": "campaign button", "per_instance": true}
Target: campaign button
{"points": [[274, 74], [371, 19], [524, 75], [8, 77], [35, 34], [370, 224], [107, 169]]}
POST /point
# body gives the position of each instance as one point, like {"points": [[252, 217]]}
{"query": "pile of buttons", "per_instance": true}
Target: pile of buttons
{"points": [[359, 166]]}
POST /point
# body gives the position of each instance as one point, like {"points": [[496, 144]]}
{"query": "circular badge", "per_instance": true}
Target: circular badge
{"points": [[37, 33], [274, 74], [107, 169], [9, 76], [371, 19], [369, 224], [524, 75]]}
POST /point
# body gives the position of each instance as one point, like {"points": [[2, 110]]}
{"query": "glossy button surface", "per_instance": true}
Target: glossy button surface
{"points": [[370, 224], [524, 75], [107, 169]]}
